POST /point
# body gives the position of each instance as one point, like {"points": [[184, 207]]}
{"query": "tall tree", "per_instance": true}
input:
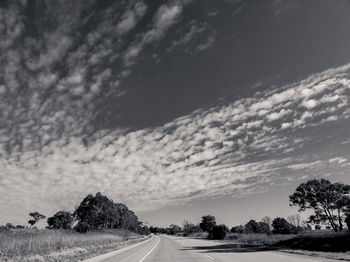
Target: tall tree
{"points": [[101, 212], [326, 199], [36, 217], [61, 220], [295, 220], [208, 222], [219, 232]]}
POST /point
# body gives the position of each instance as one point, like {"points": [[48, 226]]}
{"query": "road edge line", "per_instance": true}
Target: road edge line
{"points": [[149, 252], [115, 252]]}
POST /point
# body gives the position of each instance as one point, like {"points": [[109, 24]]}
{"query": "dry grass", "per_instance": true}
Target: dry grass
{"points": [[29, 242], [345, 256], [258, 239], [199, 235]]}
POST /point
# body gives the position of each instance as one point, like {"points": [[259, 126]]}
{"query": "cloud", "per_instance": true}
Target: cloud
{"points": [[309, 103], [231, 149], [53, 85], [339, 160], [164, 18], [131, 17]]}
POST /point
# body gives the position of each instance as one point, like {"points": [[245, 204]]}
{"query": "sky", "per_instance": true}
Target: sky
{"points": [[176, 108]]}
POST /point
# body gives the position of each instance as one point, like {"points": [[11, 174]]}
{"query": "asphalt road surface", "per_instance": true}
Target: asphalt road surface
{"points": [[178, 249]]}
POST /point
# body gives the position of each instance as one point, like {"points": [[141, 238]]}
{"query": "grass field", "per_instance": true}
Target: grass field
{"points": [[29, 242]]}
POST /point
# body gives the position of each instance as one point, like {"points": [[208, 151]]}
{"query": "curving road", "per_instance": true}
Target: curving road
{"points": [[178, 249]]}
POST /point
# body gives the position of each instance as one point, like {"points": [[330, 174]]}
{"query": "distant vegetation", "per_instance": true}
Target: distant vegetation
{"points": [[330, 203]]}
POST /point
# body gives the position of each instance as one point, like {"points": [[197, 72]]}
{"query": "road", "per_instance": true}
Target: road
{"points": [[178, 249]]}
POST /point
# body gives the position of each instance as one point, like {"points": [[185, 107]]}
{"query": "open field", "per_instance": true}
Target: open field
{"points": [[60, 245]]}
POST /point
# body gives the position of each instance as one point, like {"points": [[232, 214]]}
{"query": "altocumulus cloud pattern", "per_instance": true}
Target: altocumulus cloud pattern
{"points": [[54, 77]]}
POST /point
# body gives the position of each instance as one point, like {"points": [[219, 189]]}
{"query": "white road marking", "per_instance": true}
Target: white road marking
{"points": [[149, 252], [209, 256], [113, 253]]}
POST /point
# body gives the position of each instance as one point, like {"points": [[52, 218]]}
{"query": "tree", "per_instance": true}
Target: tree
{"points": [[143, 230], [61, 220], [295, 220], [263, 228], [326, 199], [281, 226], [190, 228], [251, 226], [238, 229], [347, 221], [174, 229], [101, 212], [267, 220], [207, 224], [219, 232], [9, 226], [257, 227], [82, 227], [36, 217]]}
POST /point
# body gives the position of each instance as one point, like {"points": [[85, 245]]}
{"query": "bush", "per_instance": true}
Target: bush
{"points": [[219, 232], [281, 226], [317, 227], [60, 220], [190, 229], [257, 227], [208, 223], [82, 227], [238, 229]]}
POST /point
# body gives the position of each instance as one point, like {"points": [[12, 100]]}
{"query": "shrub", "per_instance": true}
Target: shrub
{"points": [[281, 226], [190, 229], [238, 229], [82, 227], [219, 232], [208, 223], [257, 227], [60, 220]]}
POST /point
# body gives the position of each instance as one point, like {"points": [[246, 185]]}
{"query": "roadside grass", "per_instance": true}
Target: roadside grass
{"points": [[28, 242], [326, 244], [258, 239], [320, 241], [345, 256], [199, 235]]}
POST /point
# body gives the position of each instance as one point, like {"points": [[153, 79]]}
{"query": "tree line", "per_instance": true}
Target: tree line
{"points": [[93, 213], [330, 203]]}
